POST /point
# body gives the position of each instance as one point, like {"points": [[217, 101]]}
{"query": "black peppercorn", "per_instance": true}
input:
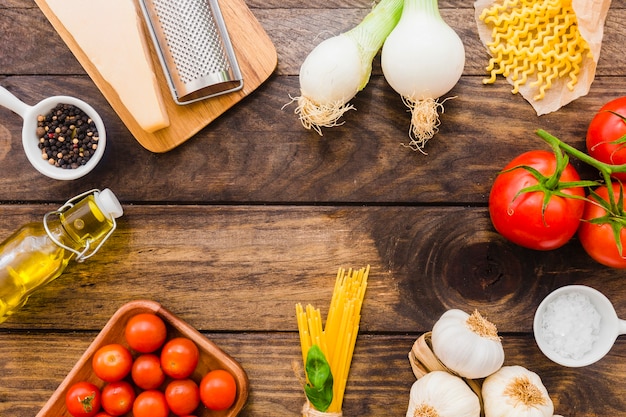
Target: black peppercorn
{"points": [[62, 132]]}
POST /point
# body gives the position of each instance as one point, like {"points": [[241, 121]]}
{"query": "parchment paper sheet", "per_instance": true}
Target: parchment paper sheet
{"points": [[591, 15]]}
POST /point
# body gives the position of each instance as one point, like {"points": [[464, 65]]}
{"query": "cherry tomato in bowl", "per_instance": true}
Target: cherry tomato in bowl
{"points": [[179, 357], [112, 362], [606, 135], [118, 398], [218, 390], [531, 219], [83, 399], [150, 403], [145, 332], [182, 396], [146, 372]]}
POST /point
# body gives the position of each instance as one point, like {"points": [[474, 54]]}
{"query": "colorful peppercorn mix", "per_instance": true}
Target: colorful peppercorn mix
{"points": [[67, 136]]}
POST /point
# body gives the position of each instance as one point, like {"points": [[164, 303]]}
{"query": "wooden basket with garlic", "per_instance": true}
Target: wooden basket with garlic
{"points": [[459, 370]]}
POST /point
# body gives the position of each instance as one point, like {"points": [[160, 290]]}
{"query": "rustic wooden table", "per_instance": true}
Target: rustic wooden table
{"points": [[254, 214]]}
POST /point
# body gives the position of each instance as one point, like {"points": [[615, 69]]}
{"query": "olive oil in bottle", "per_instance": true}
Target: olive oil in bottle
{"points": [[38, 252]]}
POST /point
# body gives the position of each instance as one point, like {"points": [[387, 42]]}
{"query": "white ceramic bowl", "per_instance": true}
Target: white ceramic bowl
{"points": [[30, 141], [610, 327]]}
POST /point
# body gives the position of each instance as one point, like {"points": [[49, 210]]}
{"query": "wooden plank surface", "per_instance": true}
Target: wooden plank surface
{"points": [[254, 214]]}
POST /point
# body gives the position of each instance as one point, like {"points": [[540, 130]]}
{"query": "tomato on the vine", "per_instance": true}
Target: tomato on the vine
{"points": [[218, 390], [145, 332], [150, 403], [112, 362], [83, 399], [600, 229], [179, 357], [147, 372], [532, 206], [606, 135], [182, 396], [118, 398]]}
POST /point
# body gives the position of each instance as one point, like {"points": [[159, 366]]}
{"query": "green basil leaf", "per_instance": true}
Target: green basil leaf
{"points": [[319, 389]]}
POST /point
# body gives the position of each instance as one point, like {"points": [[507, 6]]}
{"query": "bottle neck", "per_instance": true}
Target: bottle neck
{"points": [[80, 227], [85, 221]]}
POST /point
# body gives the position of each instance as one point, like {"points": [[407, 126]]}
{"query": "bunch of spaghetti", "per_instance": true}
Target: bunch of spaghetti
{"points": [[337, 339], [536, 41]]}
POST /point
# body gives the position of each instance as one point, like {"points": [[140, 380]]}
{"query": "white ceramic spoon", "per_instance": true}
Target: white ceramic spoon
{"points": [[610, 327]]}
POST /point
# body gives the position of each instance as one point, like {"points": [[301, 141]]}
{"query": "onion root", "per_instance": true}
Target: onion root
{"points": [[315, 116], [424, 121]]}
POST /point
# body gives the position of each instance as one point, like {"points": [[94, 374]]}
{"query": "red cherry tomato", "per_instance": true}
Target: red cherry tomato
{"points": [[179, 357], [112, 362], [182, 396], [519, 217], [218, 390], [147, 372], [598, 239], [83, 399], [145, 332], [605, 133], [150, 403], [118, 398]]}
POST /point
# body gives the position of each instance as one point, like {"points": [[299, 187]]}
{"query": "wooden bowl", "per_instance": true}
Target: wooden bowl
{"points": [[211, 357]]}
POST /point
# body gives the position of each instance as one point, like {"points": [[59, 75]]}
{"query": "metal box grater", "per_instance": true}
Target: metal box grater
{"points": [[194, 48]]}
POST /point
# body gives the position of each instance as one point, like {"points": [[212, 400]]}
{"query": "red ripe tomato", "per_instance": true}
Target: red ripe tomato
{"points": [[598, 239], [182, 396], [83, 399], [179, 357], [150, 403], [112, 362], [103, 414], [147, 372], [218, 390], [145, 332], [118, 397], [604, 133], [519, 217]]}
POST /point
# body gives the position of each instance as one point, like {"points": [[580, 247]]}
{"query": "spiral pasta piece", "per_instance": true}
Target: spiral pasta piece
{"points": [[534, 40]]}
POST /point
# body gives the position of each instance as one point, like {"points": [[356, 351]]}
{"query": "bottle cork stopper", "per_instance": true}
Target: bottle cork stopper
{"points": [[108, 203]]}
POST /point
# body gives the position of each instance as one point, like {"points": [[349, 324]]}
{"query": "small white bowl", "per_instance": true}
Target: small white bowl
{"points": [[30, 141], [610, 327]]}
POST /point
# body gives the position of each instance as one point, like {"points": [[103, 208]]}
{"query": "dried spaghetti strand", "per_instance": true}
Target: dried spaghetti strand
{"points": [[338, 337]]}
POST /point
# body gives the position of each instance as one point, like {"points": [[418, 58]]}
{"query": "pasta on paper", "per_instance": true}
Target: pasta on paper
{"points": [[548, 52]]}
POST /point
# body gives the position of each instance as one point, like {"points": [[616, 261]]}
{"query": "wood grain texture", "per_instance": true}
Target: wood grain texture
{"points": [[219, 261], [254, 214]]}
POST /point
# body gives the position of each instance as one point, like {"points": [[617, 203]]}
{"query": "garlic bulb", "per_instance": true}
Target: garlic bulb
{"points": [[467, 344], [440, 394], [514, 391]]}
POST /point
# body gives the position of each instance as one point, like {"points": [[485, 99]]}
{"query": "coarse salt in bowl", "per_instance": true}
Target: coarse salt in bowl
{"points": [[576, 326]]}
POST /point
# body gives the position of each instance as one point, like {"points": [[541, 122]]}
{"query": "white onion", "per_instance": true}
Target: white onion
{"points": [[339, 67], [422, 59]]}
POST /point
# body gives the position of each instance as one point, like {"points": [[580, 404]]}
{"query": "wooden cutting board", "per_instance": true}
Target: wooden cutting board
{"points": [[256, 56]]}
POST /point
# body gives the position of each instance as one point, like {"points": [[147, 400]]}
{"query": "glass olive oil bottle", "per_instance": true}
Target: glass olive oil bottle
{"points": [[38, 252]]}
